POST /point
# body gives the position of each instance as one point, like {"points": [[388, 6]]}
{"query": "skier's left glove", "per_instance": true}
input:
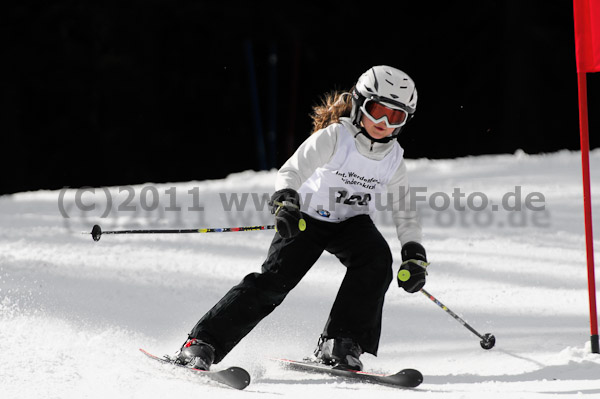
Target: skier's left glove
{"points": [[413, 270], [285, 205]]}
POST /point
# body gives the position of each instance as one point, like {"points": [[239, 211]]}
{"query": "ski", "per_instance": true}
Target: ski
{"points": [[234, 377], [407, 378]]}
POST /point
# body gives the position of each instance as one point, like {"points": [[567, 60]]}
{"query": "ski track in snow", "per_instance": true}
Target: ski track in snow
{"points": [[74, 312]]}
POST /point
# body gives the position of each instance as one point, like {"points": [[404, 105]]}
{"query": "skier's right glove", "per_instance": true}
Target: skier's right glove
{"points": [[285, 205], [413, 270]]}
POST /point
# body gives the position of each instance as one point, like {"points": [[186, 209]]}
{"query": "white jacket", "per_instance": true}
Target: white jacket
{"points": [[319, 149]]}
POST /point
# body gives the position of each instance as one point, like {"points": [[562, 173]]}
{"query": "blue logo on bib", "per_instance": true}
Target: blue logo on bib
{"points": [[324, 213]]}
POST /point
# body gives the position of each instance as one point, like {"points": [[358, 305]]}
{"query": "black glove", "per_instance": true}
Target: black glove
{"points": [[285, 205], [412, 272]]}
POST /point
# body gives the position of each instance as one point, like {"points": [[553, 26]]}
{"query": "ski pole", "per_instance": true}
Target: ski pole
{"points": [[97, 231], [487, 340]]}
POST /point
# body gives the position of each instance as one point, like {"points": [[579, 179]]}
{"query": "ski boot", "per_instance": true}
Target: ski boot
{"points": [[341, 353], [196, 354]]}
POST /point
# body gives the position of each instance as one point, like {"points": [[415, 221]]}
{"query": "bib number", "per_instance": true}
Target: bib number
{"points": [[354, 199]]}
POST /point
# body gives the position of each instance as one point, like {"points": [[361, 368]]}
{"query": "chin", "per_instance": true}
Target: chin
{"points": [[378, 135]]}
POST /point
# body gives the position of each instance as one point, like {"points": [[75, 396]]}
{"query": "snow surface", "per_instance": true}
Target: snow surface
{"points": [[74, 312]]}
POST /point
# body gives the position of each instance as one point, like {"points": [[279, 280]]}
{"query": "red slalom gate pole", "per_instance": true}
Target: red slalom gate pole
{"points": [[587, 206]]}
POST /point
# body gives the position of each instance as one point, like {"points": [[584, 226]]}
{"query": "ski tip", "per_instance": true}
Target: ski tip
{"points": [[145, 352], [412, 376], [235, 377]]}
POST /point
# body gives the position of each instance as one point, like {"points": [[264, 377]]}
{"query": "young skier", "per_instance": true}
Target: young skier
{"points": [[325, 194]]}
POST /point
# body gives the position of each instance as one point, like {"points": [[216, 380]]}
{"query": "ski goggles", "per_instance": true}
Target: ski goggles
{"points": [[377, 112]]}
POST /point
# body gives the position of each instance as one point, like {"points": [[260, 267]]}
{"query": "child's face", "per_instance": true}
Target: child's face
{"points": [[376, 130]]}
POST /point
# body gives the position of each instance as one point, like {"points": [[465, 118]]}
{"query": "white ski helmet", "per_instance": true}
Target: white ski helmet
{"points": [[388, 86]]}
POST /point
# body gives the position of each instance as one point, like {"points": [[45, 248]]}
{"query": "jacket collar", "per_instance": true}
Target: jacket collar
{"points": [[367, 146]]}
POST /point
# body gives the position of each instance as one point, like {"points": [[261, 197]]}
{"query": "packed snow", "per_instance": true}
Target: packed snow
{"points": [[504, 234]]}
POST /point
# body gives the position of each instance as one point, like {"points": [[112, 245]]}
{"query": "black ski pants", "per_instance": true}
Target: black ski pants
{"points": [[357, 310]]}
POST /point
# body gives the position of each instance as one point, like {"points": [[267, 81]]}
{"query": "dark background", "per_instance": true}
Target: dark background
{"points": [[110, 93]]}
